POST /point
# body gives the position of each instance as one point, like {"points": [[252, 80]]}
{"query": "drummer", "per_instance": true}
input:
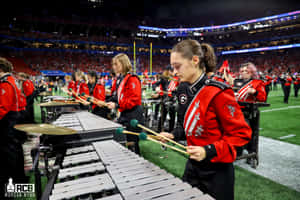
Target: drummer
{"points": [[209, 118], [128, 98]]}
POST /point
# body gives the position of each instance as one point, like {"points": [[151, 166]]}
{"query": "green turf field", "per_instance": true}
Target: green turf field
{"points": [[248, 186], [279, 123]]}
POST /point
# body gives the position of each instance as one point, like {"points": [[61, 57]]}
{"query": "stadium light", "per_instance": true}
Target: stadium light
{"points": [[261, 49], [233, 25]]}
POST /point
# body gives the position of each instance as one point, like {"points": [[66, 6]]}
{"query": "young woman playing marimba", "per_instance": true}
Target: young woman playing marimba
{"points": [[128, 98], [209, 118]]}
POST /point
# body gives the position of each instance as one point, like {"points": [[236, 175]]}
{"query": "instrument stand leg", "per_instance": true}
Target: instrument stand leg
{"points": [[35, 154], [45, 150]]}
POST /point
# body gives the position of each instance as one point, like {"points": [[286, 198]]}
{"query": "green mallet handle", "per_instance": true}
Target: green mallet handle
{"points": [[168, 139]]}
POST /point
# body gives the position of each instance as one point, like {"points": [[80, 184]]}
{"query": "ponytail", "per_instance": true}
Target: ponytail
{"points": [[209, 61]]}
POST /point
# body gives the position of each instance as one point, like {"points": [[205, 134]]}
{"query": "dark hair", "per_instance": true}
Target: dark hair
{"points": [[189, 48], [93, 74], [5, 65], [73, 76]]}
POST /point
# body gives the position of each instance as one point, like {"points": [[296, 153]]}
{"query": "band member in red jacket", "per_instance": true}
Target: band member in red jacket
{"points": [[97, 90], [210, 119], [128, 97], [80, 86], [71, 83], [268, 84], [297, 84], [11, 150], [252, 89], [28, 90], [287, 88], [171, 108]]}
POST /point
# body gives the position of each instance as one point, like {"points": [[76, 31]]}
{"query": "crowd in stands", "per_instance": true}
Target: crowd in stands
{"points": [[267, 62], [274, 62]]}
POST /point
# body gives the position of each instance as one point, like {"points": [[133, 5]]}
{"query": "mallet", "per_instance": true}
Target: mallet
{"points": [[135, 123], [144, 136]]}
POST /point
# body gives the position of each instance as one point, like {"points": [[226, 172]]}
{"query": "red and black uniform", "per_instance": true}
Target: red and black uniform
{"points": [[268, 84], [11, 151], [171, 107], [28, 90], [209, 116], [82, 87], [260, 94], [72, 86], [98, 92], [128, 100], [296, 85], [113, 86], [287, 89], [162, 83]]}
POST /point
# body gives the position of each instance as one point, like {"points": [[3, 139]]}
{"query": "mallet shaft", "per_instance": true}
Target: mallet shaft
{"points": [[168, 139]]}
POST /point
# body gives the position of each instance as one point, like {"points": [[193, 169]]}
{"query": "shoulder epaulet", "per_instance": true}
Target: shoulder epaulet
{"points": [[221, 85], [4, 78]]}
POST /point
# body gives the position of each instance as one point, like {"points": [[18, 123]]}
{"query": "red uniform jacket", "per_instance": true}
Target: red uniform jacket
{"points": [[83, 88], [9, 95], [129, 93], [98, 93], [297, 81], [72, 86], [260, 94], [172, 86], [28, 88], [214, 119], [269, 80], [22, 102], [113, 86], [288, 82]]}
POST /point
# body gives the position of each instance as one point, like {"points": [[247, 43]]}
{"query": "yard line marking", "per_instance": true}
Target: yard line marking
{"points": [[284, 108], [287, 136]]}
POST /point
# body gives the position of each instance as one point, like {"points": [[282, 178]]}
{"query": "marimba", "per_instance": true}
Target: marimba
{"points": [[90, 128], [107, 170]]}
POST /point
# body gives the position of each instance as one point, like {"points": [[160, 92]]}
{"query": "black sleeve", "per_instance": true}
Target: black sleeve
{"points": [[183, 102]]}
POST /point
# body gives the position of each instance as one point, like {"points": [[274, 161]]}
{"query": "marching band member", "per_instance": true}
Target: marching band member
{"points": [[28, 90], [210, 119], [11, 150], [297, 84], [268, 84], [172, 88], [97, 90], [128, 97], [252, 88], [71, 83], [287, 88]]}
